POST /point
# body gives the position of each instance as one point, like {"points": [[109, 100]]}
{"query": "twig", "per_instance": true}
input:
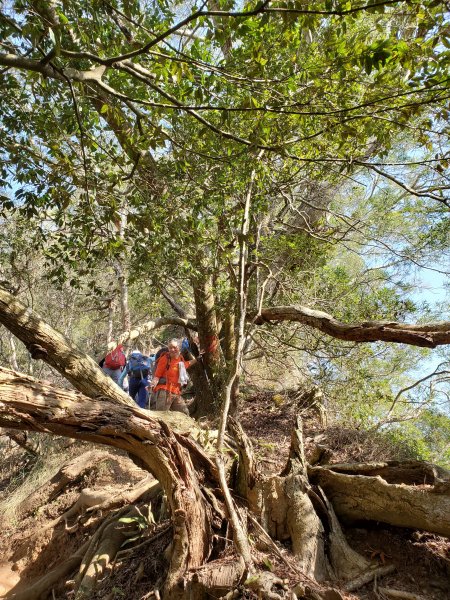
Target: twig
{"points": [[410, 387], [367, 576], [399, 594]]}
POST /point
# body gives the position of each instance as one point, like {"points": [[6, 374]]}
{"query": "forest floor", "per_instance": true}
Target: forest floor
{"points": [[27, 507]]}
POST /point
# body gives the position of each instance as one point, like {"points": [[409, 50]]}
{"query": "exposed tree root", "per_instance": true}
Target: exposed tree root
{"points": [[147, 490], [88, 498], [372, 498], [70, 473], [103, 547], [124, 553], [390, 593], [410, 472], [286, 504], [289, 513], [43, 586], [320, 455], [345, 562], [215, 578], [368, 576], [239, 529], [263, 583]]}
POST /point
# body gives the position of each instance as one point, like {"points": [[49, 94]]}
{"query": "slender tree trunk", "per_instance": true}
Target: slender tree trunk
{"points": [[111, 312], [123, 277], [209, 398], [235, 368]]}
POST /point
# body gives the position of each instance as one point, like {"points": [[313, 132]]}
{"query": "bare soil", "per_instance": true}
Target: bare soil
{"points": [[28, 550]]}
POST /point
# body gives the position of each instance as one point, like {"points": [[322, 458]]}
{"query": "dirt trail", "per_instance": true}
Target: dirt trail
{"points": [[8, 578]]}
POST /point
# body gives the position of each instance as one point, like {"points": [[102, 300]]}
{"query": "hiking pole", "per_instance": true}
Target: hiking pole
{"points": [[200, 356]]}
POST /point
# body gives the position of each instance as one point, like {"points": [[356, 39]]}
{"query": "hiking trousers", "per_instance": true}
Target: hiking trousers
{"points": [[138, 390], [168, 401]]}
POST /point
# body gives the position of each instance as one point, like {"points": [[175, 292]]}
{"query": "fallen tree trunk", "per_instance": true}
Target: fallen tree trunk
{"points": [[356, 497], [44, 342]]}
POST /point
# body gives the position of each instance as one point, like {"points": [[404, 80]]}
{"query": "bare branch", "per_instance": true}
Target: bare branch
{"points": [[427, 335], [152, 325], [413, 385]]}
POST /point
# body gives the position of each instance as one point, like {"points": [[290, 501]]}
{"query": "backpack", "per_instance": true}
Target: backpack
{"points": [[139, 365], [161, 352], [115, 359]]}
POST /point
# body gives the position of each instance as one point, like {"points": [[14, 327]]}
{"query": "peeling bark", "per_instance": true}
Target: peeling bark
{"points": [[215, 579]]}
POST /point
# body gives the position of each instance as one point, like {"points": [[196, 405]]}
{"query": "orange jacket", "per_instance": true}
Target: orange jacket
{"points": [[168, 368]]}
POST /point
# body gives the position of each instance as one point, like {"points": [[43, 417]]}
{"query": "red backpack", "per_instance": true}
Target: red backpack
{"points": [[115, 359]]}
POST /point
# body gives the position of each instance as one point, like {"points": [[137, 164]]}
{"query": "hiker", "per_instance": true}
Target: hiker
{"points": [[169, 377], [114, 363], [138, 369], [151, 392]]}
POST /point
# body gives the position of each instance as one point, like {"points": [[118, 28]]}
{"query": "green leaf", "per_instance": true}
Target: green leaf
{"points": [[268, 564]]}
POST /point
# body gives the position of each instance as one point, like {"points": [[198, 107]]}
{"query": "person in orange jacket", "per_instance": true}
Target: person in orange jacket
{"points": [[169, 376]]}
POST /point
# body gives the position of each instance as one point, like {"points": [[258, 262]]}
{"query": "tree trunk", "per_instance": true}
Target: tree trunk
{"points": [[13, 355], [111, 311], [121, 271], [123, 286], [209, 397], [44, 342], [287, 505]]}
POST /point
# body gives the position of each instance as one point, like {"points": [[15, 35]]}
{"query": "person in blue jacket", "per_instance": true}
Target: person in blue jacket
{"points": [[138, 368]]}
